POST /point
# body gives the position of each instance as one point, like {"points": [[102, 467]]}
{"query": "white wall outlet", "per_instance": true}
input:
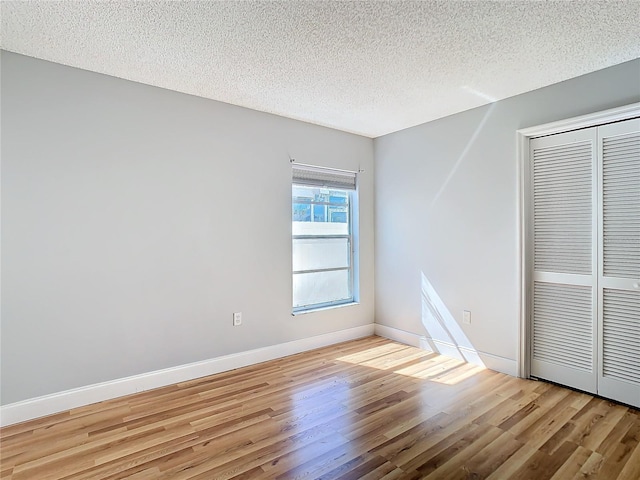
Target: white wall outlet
{"points": [[466, 317], [237, 319]]}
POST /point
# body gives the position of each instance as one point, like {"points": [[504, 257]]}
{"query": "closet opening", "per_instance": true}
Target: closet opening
{"points": [[580, 253]]}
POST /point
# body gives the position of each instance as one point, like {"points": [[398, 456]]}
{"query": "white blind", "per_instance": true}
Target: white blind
{"points": [[621, 205], [323, 177], [562, 202]]}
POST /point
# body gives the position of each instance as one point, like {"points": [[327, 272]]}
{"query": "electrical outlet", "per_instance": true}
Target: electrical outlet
{"points": [[237, 319], [466, 317]]}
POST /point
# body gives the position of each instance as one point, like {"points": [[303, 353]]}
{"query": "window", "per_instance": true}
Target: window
{"points": [[322, 237]]}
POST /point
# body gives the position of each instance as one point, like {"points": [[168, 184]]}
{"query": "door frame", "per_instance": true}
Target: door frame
{"points": [[525, 230]]}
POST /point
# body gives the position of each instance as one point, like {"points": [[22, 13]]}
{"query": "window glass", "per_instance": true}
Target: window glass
{"points": [[322, 247]]}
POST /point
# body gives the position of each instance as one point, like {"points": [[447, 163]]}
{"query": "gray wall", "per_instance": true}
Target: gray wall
{"points": [[135, 220], [447, 214]]}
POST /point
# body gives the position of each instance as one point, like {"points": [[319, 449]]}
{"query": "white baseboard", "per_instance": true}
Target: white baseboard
{"points": [[402, 336], [78, 397], [499, 364], [470, 355]]}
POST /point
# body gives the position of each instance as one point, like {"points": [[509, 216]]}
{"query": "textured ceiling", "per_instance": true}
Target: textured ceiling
{"points": [[365, 67]]}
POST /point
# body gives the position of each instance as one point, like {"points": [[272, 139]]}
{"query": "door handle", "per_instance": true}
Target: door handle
{"points": [[636, 285]]}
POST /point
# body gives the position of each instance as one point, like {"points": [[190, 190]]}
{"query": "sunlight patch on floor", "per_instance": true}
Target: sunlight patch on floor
{"points": [[412, 362]]}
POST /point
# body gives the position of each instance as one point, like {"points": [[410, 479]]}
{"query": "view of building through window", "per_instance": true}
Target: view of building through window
{"points": [[322, 247]]}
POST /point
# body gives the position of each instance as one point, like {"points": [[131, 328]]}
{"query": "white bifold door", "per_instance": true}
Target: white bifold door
{"points": [[585, 290]]}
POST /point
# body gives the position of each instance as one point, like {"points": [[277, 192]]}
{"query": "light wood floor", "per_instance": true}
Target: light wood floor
{"points": [[366, 409]]}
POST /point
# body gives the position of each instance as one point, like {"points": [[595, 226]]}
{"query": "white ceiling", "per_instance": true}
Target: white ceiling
{"points": [[369, 67]]}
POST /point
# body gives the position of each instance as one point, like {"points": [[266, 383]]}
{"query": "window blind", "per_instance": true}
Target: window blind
{"points": [[324, 177]]}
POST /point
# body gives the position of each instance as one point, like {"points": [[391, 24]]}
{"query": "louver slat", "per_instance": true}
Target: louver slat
{"points": [[555, 326], [621, 212], [621, 334], [562, 203]]}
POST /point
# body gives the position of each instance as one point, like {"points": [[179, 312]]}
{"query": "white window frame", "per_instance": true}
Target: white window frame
{"points": [[351, 236]]}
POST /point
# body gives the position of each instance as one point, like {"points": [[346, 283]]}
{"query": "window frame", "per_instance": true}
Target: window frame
{"points": [[349, 236]]}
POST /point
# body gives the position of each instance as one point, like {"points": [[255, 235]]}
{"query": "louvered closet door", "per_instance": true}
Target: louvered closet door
{"points": [[563, 338], [619, 262]]}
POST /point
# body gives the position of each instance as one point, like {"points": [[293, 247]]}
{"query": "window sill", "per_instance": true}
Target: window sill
{"points": [[320, 309]]}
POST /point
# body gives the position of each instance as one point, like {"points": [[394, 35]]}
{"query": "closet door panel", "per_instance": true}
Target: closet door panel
{"points": [[563, 334], [563, 337], [619, 262]]}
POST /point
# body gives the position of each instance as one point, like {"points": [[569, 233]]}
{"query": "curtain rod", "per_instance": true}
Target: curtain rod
{"points": [[293, 160]]}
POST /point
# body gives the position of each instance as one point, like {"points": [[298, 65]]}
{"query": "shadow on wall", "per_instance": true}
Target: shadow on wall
{"points": [[444, 335]]}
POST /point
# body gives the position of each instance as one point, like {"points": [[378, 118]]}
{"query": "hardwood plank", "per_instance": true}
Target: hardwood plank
{"points": [[513, 463], [591, 467], [619, 455], [367, 409], [631, 469], [542, 466], [454, 458], [572, 466], [490, 457], [360, 468]]}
